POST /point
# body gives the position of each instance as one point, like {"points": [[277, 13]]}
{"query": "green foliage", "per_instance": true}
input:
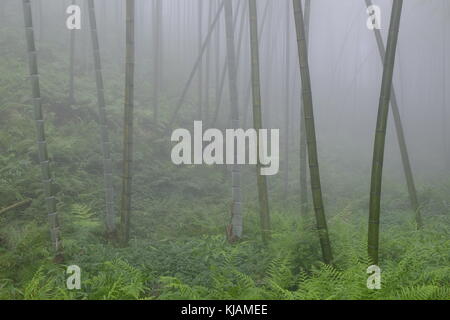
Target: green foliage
{"points": [[178, 248]]}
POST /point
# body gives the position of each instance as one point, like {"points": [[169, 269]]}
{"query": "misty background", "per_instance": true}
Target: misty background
{"points": [[345, 73]]}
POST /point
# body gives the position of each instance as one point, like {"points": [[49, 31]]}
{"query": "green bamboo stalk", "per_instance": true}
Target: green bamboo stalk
{"points": [[44, 161], [157, 63], [287, 102], [446, 146], [128, 124], [208, 67], [400, 135], [72, 66], [200, 67], [103, 123], [316, 189], [380, 134], [248, 91], [304, 207], [257, 120], [236, 221]]}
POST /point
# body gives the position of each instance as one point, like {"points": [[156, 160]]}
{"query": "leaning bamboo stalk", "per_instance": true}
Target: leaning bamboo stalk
{"points": [[257, 120], [21, 204], [380, 133], [311, 133], [400, 135], [103, 123], [196, 66], [128, 123], [44, 161], [222, 78]]}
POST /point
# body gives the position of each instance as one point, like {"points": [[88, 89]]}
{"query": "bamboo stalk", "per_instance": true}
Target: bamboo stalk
{"points": [[72, 65], [128, 124], [196, 65], [103, 123], [400, 135], [44, 161], [311, 134], [304, 207], [236, 220], [380, 133], [20, 204], [157, 64], [287, 102], [257, 120], [222, 78]]}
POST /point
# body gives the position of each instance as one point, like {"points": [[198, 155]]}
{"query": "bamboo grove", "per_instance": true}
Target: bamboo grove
{"points": [[229, 71]]}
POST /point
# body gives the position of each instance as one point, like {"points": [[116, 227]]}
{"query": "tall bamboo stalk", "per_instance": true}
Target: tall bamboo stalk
{"points": [[72, 65], [444, 92], [208, 66], [44, 161], [246, 100], [287, 100], [304, 208], [106, 144], [380, 134], [157, 63], [222, 78], [236, 220], [316, 189], [128, 123], [400, 134], [200, 67], [257, 120]]}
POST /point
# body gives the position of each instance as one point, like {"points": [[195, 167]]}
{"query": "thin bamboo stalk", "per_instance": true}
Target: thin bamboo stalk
{"points": [[103, 123], [316, 188], [257, 120], [236, 219], [304, 207], [128, 123]]}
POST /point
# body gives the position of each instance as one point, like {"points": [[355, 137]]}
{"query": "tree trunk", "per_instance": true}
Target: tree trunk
{"points": [[106, 144], [400, 135], [47, 180], [257, 120], [311, 133], [128, 124], [380, 134], [236, 213]]}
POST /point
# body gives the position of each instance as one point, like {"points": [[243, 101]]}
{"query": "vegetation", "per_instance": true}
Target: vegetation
{"points": [[178, 239]]}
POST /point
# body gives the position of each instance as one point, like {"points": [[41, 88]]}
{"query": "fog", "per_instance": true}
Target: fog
{"points": [[344, 63]]}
